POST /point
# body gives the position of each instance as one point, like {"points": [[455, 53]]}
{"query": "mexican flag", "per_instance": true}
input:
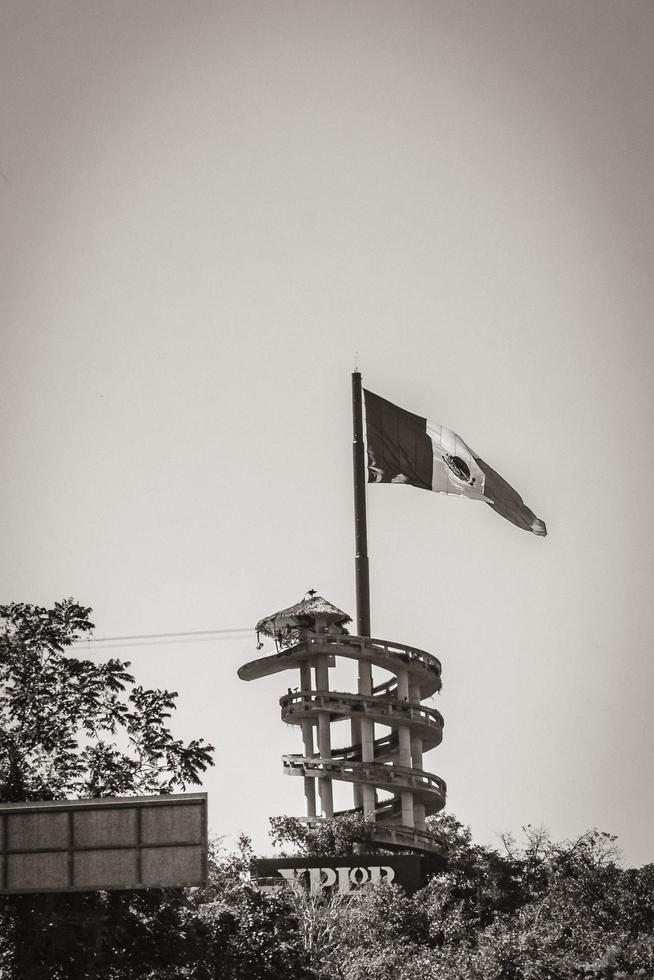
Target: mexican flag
{"points": [[406, 448]]}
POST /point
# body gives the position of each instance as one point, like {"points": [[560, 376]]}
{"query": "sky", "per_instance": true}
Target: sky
{"points": [[207, 210]]}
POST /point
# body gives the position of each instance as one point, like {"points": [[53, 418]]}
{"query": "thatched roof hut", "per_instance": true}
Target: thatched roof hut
{"points": [[303, 616]]}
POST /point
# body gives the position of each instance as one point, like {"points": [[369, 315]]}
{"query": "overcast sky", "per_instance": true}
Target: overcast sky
{"points": [[207, 208]]}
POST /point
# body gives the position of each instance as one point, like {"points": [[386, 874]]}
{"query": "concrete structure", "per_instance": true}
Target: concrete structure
{"points": [[308, 637]]}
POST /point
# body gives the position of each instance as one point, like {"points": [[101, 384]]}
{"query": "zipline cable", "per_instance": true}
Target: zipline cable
{"points": [[162, 637]]}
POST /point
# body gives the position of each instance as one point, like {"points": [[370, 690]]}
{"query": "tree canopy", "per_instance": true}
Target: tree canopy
{"points": [[538, 910], [72, 727]]}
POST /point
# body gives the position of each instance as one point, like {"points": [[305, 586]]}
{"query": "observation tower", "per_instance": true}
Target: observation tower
{"points": [[389, 727]]}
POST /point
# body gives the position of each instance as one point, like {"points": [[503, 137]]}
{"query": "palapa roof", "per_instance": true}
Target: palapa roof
{"points": [[303, 614]]}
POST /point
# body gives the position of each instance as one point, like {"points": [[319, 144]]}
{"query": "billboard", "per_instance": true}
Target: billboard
{"points": [[342, 874], [83, 845]]}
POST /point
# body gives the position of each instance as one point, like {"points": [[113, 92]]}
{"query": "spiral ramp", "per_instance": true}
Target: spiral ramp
{"points": [[391, 763]]}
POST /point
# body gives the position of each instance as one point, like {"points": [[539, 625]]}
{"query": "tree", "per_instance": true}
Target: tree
{"points": [[74, 728], [240, 932], [337, 835]]}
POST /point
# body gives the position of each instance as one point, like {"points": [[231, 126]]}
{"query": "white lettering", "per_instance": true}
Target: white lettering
{"points": [[291, 874], [345, 879], [314, 878], [329, 878], [363, 876], [383, 873]]}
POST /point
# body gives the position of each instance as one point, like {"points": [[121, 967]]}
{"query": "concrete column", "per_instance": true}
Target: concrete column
{"points": [[367, 737], [355, 731], [416, 758], [404, 736], [307, 740], [324, 744]]}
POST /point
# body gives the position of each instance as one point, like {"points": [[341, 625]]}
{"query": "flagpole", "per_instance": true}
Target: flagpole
{"points": [[363, 729], [360, 525]]}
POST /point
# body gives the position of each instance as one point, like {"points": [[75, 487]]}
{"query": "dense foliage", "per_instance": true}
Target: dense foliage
{"points": [[74, 728], [539, 911], [542, 911], [536, 911], [339, 836], [227, 931]]}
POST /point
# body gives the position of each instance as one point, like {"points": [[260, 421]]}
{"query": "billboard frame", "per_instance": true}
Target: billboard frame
{"points": [[139, 845]]}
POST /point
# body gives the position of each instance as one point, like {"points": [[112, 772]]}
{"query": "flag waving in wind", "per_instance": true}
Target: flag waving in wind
{"points": [[405, 448]]}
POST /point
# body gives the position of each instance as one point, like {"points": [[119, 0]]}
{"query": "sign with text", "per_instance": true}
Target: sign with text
{"points": [[343, 874], [83, 845]]}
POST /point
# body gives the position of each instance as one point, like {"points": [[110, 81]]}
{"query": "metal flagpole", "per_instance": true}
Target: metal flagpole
{"points": [[360, 525], [363, 730]]}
